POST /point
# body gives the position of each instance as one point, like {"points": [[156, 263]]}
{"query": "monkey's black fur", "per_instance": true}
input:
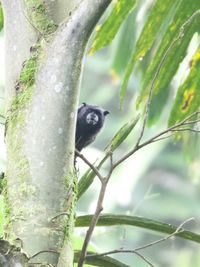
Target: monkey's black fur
{"points": [[90, 120]]}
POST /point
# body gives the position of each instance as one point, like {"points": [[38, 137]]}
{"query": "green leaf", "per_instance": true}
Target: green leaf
{"points": [[104, 261], [111, 219], [174, 57], [87, 179], [188, 95], [110, 27], [1, 17], [156, 19], [124, 46], [121, 135]]}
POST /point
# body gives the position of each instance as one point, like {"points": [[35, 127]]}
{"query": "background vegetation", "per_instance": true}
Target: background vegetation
{"points": [[161, 181]]}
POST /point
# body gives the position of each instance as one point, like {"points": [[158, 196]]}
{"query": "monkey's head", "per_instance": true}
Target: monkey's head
{"points": [[91, 117], [90, 120]]}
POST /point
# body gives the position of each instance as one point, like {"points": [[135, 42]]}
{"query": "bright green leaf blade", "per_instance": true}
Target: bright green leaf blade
{"points": [[110, 27], [121, 135], [100, 261], [173, 59], [124, 46], [111, 219], [157, 17], [1, 17], [188, 95], [87, 179]]}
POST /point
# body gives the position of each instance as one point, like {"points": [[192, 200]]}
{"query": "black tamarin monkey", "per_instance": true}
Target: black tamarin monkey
{"points": [[90, 120]]}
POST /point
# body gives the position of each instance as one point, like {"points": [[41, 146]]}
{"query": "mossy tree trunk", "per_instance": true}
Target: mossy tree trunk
{"points": [[43, 70]]}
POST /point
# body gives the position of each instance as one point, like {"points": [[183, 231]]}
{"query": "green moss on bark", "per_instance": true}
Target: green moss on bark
{"points": [[1, 17], [70, 183], [36, 12], [18, 166]]}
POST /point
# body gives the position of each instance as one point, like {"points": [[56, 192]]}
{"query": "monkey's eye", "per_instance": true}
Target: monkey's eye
{"points": [[92, 118]]}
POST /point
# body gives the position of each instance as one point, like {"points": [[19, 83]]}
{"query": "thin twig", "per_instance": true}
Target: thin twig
{"points": [[186, 129], [155, 137], [1, 116], [43, 251], [121, 250], [196, 113], [29, 21], [95, 170], [93, 223], [95, 218], [162, 138], [39, 264], [178, 230], [59, 215], [196, 121]]}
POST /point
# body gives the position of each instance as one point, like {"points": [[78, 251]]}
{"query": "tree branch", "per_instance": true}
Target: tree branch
{"points": [[1, 116], [92, 167], [99, 208], [121, 250], [155, 137]]}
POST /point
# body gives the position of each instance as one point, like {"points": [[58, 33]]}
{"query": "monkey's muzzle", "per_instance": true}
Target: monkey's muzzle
{"points": [[92, 118]]}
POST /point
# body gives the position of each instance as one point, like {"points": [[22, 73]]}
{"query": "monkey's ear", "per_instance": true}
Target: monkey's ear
{"points": [[106, 112], [81, 106]]}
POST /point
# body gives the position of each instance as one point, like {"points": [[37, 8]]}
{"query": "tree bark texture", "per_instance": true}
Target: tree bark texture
{"points": [[43, 72]]}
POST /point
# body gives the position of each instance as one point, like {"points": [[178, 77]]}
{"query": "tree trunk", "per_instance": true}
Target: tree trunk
{"points": [[43, 70]]}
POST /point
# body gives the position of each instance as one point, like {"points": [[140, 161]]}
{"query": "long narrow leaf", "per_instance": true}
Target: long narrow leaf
{"points": [[121, 135], [111, 219], [1, 17], [173, 59], [151, 28], [124, 46], [110, 27], [188, 95]]}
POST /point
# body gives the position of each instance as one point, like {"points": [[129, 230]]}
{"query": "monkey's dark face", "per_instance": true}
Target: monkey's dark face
{"points": [[90, 120]]}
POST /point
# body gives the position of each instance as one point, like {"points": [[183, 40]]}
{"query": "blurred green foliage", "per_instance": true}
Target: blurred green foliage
{"points": [[165, 20], [1, 17], [110, 27]]}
